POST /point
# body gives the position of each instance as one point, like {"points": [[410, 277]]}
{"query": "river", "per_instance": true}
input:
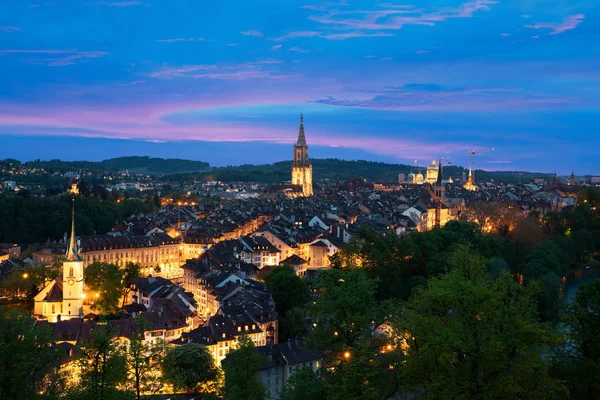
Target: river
{"points": [[577, 277]]}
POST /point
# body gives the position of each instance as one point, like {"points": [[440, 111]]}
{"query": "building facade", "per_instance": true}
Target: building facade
{"points": [[301, 167]]}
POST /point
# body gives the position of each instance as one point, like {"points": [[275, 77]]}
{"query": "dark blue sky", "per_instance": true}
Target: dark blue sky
{"points": [[225, 82]]}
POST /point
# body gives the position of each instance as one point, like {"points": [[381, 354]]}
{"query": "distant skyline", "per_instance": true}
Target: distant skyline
{"points": [[393, 81]]}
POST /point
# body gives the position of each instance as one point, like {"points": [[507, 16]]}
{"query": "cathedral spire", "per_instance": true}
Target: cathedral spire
{"points": [[301, 137], [73, 250]]}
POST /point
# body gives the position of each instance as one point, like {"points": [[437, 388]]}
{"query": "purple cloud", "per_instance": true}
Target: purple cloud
{"points": [[298, 49], [117, 4], [42, 5], [197, 39], [67, 57], [427, 97], [568, 23], [394, 17], [348, 35], [293, 35], [276, 47], [237, 72], [9, 29], [423, 51], [505, 34], [252, 32]]}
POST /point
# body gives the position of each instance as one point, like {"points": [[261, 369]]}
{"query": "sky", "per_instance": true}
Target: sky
{"points": [[226, 81]]}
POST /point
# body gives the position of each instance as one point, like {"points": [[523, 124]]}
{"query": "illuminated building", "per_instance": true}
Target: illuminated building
{"points": [[470, 183], [63, 298], [432, 173], [301, 167]]}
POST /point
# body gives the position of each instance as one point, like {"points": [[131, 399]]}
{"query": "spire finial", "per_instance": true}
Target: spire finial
{"points": [[73, 251], [301, 137]]}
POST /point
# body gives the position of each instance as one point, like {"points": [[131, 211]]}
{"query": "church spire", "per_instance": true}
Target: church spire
{"points": [[301, 137], [73, 250]]}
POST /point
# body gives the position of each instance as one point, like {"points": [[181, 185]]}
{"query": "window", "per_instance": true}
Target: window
{"points": [[290, 369], [71, 272], [53, 311]]}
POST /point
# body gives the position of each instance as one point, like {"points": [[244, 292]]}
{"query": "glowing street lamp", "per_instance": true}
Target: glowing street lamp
{"points": [[347, 355]]}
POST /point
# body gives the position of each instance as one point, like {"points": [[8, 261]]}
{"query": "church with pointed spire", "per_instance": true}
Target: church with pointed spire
{"points": [[62, 299], [301, 166]]}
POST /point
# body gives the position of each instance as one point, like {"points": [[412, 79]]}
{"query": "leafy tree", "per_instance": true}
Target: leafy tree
{"points": [[303, 384], [293, 325], [240, 367], [345, 310], [103, 367], [110, 283], [25, 351], [580, 366], [190, 367], [288, 289], [469, 335], [143, 361]]}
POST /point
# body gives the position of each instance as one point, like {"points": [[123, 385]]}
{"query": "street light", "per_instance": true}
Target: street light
{"points": [[347, 355], [25, 275]]}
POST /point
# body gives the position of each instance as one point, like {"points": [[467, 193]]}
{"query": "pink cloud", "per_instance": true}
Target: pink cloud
{"points": [[568, 23]]}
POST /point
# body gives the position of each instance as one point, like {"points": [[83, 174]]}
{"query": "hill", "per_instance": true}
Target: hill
{"points": [[144, 165]]}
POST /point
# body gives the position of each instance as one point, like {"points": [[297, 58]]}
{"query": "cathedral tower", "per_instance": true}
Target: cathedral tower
{"points": [[301, 167], [72, 278]]}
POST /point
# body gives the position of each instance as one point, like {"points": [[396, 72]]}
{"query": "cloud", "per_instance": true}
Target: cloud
{"points": [[262, 69], [276, 47], [298, 50], [252, 32], [386, 58], [499, 162], [423, 51], [42, 5], [117, 4], [369, 56], [231, 44], [293, 35], [197, 39], [348, 35], [526, 16], [329, 35], [9, 29], [430, 97], [63, 57], [568, 23], [390, 17], [505, 34]]}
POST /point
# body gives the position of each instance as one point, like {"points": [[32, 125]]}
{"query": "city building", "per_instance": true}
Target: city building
{"points": [[301, 167], [432, 173], [470, 183], [63, 298]]}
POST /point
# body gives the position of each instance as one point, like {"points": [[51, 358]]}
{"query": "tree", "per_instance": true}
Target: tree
{"points": [[143, 361], [471, 336], [240, 367], [345, 310], [25, 351], [293, 325], [580, 366], [303, 384], [190, 367], [109, 284], [288, 289], [103, 366]]}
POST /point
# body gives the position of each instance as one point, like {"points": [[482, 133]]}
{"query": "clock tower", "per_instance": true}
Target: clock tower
{"points": [[72, 277]]}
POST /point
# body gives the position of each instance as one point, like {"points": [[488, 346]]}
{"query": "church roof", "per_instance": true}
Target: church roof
{"points": [[56, 292]]}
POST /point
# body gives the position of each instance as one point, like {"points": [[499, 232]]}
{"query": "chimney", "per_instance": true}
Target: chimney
{"points": [[65, 238]]}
